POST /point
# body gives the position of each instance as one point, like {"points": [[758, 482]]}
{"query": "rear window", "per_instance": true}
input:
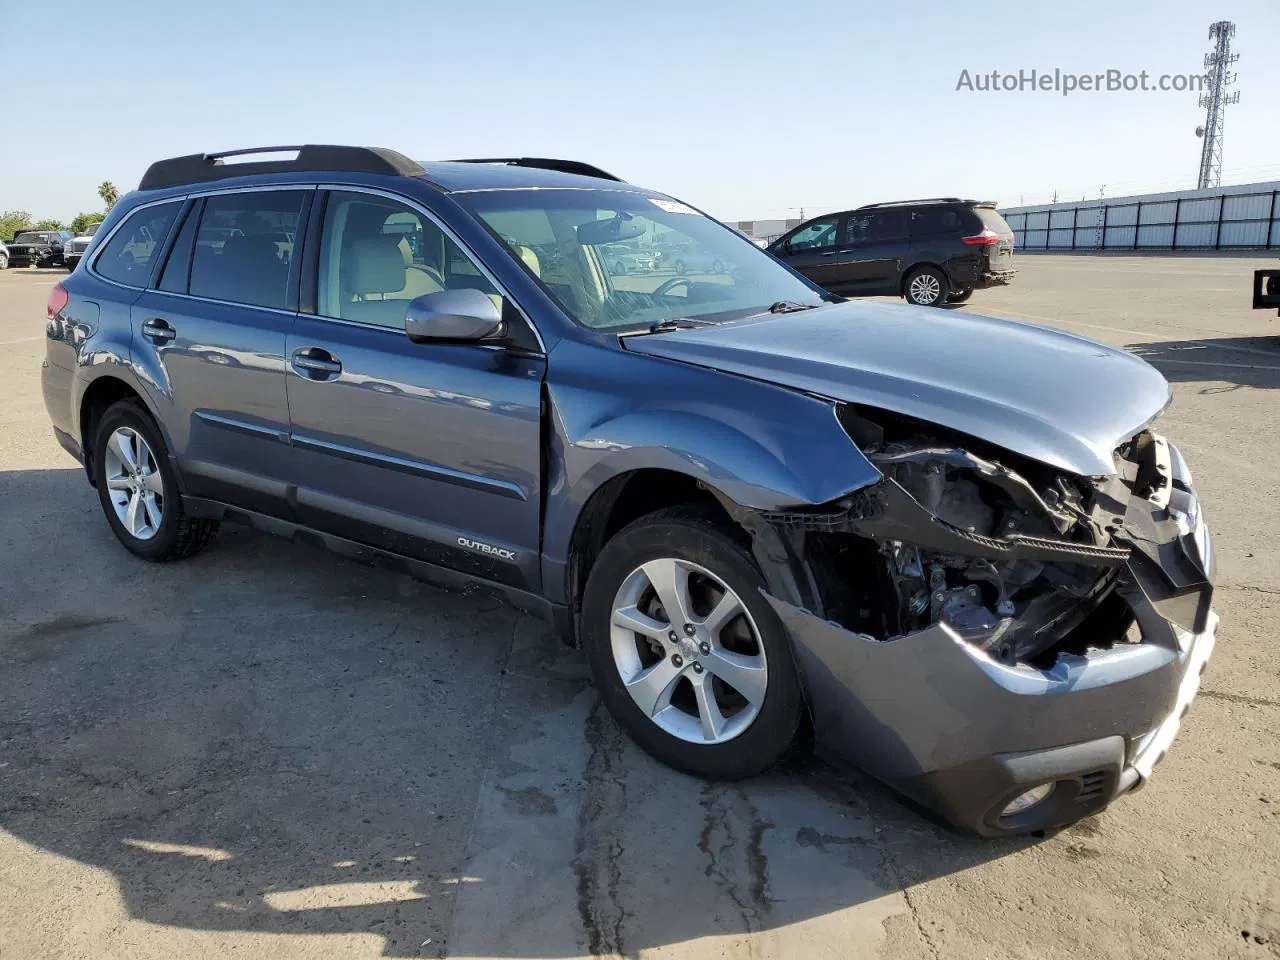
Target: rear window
{"points": [[992, 220], [128, 255]]}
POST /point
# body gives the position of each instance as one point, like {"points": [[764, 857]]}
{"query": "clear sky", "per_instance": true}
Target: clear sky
{"points": [[746, 109]]}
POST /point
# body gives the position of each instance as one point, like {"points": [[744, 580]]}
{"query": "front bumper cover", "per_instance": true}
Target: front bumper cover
{"points": [[964, 734]]}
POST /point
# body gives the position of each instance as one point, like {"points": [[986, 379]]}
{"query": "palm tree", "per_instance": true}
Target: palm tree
{"points": [[109, 194]]}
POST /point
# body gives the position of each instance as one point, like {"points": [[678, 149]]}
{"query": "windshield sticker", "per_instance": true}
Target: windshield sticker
{"points": [[672, 206]]}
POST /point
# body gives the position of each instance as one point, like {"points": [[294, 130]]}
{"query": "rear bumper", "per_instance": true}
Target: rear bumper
{"points": [[964, 734], [998, 279]]}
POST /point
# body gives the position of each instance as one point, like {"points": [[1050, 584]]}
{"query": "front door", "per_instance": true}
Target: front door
{"points": [[428, 450]]}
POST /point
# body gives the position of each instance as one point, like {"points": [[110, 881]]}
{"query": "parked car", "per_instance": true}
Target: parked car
{"points": [[1266, 290], [41, 248], [952, 548], [690, 258], [4, 256], [929, 251], [77, 245]]}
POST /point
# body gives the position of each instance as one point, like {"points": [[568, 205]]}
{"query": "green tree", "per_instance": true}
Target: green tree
{"points": [[48, 225], [12, 221], [82, 221], [109, 194]]}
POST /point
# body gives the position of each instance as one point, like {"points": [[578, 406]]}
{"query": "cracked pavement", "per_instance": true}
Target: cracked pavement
{"points": [[269, 751]]}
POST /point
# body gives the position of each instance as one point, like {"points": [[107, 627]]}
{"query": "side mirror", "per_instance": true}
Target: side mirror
{"points": [[453, 315]]}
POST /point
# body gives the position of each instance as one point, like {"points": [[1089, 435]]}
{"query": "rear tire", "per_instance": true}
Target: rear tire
{"points": [[721, 699], [961, 295], [926, 287], [138, 489]]}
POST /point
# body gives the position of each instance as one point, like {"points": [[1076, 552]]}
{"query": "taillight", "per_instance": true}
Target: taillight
{"points": [[58, 298], [986, 238]]}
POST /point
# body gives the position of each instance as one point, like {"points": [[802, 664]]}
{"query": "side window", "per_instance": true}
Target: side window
{"points": [[888, 225], [857, 228], [820, 233], [929, 223], [244, 247], [127, 258], [377, 254]]}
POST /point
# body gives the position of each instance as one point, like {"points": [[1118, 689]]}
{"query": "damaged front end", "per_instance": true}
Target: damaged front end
{"points": [[1011, 645]]}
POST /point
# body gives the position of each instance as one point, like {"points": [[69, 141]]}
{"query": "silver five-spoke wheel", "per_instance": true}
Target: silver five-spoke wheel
{"points": [[925, 288], [134, 483], [688, 651]]}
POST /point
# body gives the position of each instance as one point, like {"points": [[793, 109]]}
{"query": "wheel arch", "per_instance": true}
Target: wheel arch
{"points": [[96, 397]]}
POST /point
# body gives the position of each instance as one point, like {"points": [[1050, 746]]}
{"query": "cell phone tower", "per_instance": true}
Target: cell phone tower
{"points": [[1215, 101]]}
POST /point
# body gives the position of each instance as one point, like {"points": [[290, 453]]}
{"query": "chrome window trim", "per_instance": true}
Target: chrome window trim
{"points": [[448, 232]]}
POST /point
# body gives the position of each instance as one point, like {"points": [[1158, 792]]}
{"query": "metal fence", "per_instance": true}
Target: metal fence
{"points": [[1244, 217]]}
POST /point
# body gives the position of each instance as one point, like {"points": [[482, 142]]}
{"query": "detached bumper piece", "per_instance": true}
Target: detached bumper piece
{"points": [[1000, 747]]}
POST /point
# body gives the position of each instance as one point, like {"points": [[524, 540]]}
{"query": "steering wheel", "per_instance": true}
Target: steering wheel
{"points": [[668, 285]]}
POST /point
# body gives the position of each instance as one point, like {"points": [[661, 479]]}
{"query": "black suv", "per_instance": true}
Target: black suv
{"points": [[929, 251]]}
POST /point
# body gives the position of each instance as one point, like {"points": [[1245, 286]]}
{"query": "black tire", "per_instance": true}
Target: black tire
{"points": [[177, 536], [679, 267], [912, 293], [961, 295], [717, 267], [692, 534]]}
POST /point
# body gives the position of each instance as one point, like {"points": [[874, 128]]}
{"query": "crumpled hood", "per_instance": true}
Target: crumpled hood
{"points": [[1055, 397]]}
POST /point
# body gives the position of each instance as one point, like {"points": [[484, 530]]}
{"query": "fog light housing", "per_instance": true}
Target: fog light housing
{"points": [[1025, 801]]}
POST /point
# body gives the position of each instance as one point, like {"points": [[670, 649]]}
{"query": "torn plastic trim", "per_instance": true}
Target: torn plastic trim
{"points": [[886, 511]]}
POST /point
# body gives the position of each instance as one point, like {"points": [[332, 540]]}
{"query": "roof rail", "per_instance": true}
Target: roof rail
{"points": [[545, 163], [904, 203], [203, 167]]}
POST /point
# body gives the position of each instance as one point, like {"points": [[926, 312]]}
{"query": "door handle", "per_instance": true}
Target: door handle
{"points": [[316, 363], [158, 331]]}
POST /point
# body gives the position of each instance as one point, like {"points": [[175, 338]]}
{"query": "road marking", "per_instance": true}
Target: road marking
{"points": [[9, 343]]}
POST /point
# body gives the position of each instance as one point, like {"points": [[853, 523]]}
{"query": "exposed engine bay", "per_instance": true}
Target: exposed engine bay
{"points": [[1019, 559]]}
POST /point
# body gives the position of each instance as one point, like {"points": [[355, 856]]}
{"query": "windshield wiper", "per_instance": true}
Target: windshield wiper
{"points": [[790, 306], [679, 323]]}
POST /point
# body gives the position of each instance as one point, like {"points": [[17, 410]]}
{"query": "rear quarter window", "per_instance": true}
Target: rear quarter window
{"points": [[128, 256], [934, 222]]}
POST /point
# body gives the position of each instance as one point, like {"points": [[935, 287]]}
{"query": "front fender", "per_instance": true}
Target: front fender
{"points": [[758, 445]]}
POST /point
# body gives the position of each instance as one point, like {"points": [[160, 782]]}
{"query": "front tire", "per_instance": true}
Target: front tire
{"points": [[138, 489], [926, 287], [4, 262], [711, 689]]}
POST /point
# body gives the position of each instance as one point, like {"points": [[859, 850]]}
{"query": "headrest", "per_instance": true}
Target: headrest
{"points": [[530, 259], [375, 265]]}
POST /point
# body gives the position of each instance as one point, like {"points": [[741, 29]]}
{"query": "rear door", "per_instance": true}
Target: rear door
{"points": [[429, 450], [211, 334]]}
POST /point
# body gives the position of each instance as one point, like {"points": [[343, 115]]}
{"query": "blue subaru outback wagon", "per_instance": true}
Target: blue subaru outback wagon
{"points": [[951, 548]]}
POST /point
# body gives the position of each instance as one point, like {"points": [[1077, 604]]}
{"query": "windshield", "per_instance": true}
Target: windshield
{"points": [[92, 228], [31, 238], [614, 259]]}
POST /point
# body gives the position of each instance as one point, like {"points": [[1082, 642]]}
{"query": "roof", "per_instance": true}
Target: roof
{"points": [[455, 176]]}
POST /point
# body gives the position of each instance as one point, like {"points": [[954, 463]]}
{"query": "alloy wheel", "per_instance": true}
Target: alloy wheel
{"points": [[925, 289], [135, 485], [688, 651]]}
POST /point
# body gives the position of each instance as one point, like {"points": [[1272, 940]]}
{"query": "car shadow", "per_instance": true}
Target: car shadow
{"points": [[266, 738], [1238, 361]]}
